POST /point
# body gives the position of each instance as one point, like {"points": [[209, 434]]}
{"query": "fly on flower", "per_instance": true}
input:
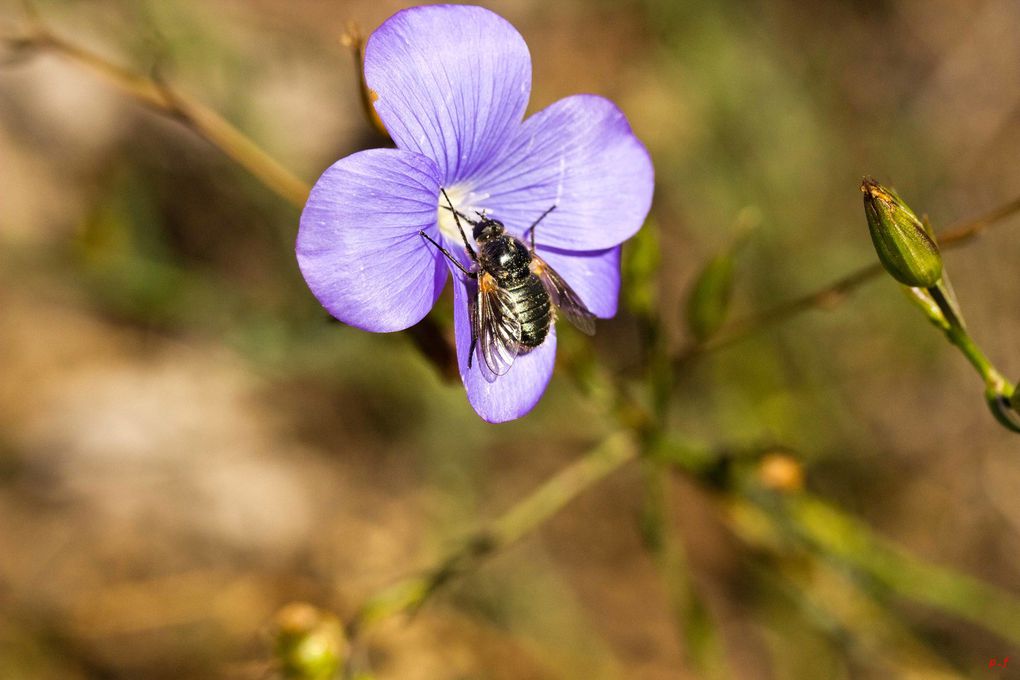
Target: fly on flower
{"points": [[517, 291], [451, 85]]}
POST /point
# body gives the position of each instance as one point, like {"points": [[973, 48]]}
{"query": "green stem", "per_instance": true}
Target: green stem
{"points": [[525, 516], [998, 390], [958, 335], [976, 357]]}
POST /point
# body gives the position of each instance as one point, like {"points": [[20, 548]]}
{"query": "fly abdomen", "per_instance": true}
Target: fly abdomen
{"points": [[533, 308]]}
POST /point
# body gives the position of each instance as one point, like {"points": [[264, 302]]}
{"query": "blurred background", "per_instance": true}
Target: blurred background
{"points": [[188, 443]]}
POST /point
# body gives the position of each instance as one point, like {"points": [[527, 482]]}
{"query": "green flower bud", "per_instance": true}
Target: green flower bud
{"points": [[905, 246], [310, 643]]}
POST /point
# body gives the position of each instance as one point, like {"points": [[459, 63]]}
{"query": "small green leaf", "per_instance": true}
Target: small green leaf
{"points": [[709, 299], [640, 266]]}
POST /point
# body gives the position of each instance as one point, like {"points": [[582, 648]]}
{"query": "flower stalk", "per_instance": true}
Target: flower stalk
{"points": [[909, 252], [998, 390]]}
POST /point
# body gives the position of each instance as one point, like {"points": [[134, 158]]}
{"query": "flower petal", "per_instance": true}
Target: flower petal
{"points": [[452, 83], [509, 396], [358, 245], [594, 276], [580, 155]]}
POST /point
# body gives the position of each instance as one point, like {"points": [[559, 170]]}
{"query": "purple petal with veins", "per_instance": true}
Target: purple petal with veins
{"points": [[452, 84]]}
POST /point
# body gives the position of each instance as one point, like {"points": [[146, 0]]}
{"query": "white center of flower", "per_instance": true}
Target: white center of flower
{"points": [[467, 202]]}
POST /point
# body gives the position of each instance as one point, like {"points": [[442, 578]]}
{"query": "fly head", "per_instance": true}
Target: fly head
{"points": [[487, 229]]}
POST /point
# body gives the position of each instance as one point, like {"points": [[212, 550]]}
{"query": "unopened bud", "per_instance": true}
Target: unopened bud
{"points": [[906, 247], [781, 472], [310, 643]]}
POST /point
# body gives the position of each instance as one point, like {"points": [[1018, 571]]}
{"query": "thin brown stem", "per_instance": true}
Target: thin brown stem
{"points": [[961, 233], [188, 111]]}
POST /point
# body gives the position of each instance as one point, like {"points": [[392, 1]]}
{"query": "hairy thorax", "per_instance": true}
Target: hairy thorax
{"points": [[504, 257]]}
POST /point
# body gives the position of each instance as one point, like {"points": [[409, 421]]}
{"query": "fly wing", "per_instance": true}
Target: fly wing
{"points": [[563, 296], [495, 328]]}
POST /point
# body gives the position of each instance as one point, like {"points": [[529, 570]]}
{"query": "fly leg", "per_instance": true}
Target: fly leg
{"points": [[534, 224], [456, 218], [451, 258], [472, 306]]}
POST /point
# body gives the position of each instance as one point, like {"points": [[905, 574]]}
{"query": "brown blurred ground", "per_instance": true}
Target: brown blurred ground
{"points": [[187, 444]]}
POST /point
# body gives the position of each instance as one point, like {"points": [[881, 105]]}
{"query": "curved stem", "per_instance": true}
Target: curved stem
{"points": [[998, 390], [190, 112]]}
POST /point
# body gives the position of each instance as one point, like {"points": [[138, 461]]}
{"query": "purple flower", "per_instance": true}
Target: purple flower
{"points": [[453, 82]]}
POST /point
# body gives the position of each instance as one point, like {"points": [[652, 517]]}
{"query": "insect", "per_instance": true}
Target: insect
{"points": [[518, 293]]}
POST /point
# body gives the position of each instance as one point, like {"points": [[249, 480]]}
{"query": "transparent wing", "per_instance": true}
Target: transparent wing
{"points": [[495, 328], [563, 296]]}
